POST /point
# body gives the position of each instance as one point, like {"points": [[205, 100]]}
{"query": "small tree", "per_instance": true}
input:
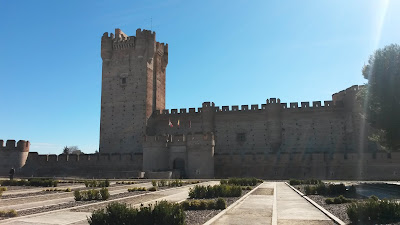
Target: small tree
{"points": [[66, 150]]}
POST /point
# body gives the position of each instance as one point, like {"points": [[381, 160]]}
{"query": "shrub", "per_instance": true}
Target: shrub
{"points": [[153, 188], [154, 183], [68, 190], [8, 213], [95, 183], [37, 182], [3, 188], [298, 182], [373, 211], [77, 195], [241, 181], [322, 189], [104, 194], [163, 213], [220, 203], [204, 204], [338, 200], [137, 189], [1, 193], [93, 194], [175, 183], [215, 191]]}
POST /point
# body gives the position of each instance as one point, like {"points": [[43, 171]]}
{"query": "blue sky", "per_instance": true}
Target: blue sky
{"points": [[228, 52]]}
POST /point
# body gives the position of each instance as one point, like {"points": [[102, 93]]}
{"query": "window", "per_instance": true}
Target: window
{"points": [[123, 80]]}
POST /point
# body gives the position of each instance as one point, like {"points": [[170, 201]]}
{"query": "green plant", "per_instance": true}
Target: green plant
{"points": [[154, 183], [241, 181], [220, 203], [77, 195], [163, 213], [68, 190], [104, 194], [200, 191], [3, 188], [337, 200], [373, 211], [154, 188], [137, 189], [8, 213]]}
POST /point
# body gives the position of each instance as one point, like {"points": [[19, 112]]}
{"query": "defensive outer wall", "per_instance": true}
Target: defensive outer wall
{"points": [[13, 155], [274, 140]]}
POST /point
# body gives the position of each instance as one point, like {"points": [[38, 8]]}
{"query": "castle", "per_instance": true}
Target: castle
{"points": [[274, 140]]}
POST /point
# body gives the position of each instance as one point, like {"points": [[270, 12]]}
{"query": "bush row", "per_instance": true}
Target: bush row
{"points": [[298, 182], [163, 213], [331, 189], [215, 191], [56, 189], [37, 182], [167, 183], [137, 189], [374, 211], [95, 183], [337, 200], [125, 182], [93, 194], [8, 213], [219, 203], [242, 181]]}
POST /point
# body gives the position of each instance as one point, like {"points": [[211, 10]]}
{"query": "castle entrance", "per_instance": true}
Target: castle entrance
{"points": [[179, 164]]}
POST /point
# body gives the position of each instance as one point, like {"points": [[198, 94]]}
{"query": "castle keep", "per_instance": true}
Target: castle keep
{"points": [[273, 140]]}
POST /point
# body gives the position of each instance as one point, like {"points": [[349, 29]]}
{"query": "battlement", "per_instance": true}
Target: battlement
{"points": [[22, 146], [121, 41], [315, 105]]}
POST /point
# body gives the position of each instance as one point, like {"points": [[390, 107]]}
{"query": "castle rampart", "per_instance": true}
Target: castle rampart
{"points": [[13, 155]]}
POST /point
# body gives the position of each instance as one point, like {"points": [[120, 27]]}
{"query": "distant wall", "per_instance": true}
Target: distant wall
{"points": [[84, 165]]}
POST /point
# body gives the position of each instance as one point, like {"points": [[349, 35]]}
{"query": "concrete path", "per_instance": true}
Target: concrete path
{"points": [[294, 209], [77, 217], [256, 208]]}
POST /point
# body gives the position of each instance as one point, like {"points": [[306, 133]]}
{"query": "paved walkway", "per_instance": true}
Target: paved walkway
{"points": [[256, 208], [294, 209]]}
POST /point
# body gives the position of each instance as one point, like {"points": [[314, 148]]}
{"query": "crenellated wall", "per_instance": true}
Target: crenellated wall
{"points": [[13, 155], [122, 165]]}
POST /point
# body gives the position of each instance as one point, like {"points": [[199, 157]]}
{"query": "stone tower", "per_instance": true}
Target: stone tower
{"points": [[133, 86]]}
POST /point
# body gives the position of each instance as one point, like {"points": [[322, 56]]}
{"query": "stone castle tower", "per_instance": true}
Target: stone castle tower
{"points": [[133, 86]]}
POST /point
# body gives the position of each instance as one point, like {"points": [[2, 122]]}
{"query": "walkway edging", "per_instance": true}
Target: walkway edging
{"points": [[212, 220], [324, 211]]}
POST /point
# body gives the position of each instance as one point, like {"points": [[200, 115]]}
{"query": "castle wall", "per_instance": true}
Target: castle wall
{"points": [[13, 155], [123, 165]]}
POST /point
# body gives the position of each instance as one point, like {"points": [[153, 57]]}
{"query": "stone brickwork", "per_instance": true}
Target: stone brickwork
{"points": [[13, 155], [133, 86]]}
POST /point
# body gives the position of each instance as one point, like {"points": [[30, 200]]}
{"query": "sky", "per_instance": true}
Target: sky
{"points": [[228, 52]]}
